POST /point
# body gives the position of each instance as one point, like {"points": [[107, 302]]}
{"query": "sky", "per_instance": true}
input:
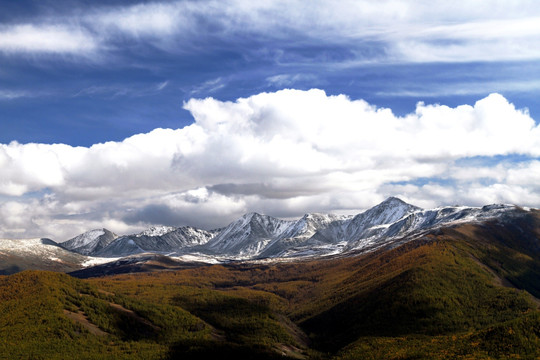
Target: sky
{"points": [[126, 114]]}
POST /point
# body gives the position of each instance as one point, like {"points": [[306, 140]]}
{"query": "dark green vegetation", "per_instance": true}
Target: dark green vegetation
{"points": [[460, 293]]}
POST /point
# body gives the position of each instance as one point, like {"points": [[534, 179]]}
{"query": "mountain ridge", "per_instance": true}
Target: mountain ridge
{"points": [[257, 236], [90, 242]]}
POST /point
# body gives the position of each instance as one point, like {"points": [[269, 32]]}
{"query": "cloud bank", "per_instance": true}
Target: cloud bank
{"points": [[282, 153]]}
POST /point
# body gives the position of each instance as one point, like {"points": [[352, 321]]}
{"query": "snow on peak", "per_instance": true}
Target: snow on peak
{"points": [[318, 216], [255, 234], [387, 212], [317, 220], [249, 234], [89, 241], [250, 215], [85, 238], [156, 231], [394, 202]]}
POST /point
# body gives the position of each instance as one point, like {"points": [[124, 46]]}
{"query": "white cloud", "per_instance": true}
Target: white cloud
{"points": [[12, 94], [462, 88], [209, 86], [152, 19], [466, 41], [404, 31], [55, 39], [408, 31], [287, 80], [111, 91], [161, 85], [283, 153]]}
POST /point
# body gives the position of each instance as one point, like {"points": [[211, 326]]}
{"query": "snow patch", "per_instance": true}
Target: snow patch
{"points": [[156, 231], [93, 261]]}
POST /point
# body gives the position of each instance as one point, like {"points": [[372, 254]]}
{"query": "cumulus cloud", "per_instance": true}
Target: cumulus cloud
{"points": [[283, 153]]}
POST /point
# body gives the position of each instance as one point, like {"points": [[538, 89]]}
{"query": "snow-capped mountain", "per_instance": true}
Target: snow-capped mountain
{"points": [[37, 254], [364, 225], [392, 221], [156, 231], [89, 242], [256, 236], [302, 231], [247, 236], [425, 220], [157, 239], [368, 223]]}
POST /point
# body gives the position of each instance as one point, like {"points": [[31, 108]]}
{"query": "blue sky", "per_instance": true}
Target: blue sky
{"points": [[79, 80]]}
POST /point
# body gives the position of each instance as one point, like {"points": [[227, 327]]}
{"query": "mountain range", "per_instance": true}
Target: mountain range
{"points": [[256, 236], [252, 237]]}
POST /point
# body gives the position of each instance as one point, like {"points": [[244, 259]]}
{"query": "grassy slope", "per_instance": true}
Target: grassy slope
{"points": [[437, 297]]}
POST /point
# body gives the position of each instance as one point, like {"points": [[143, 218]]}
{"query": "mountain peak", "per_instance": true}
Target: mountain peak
{"points": [[396, 204], [251, 215], [387, 212], [88, 235], [89, 241], [248, 235], [395, 201]]}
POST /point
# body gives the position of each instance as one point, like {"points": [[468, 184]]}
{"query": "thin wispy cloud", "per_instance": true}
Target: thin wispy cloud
{"points": [[466, 88], [47, 39], [209, 86], [288, 80], [161, 86], [141, 20], [409, 31], [132, 90], [12, 94]]}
